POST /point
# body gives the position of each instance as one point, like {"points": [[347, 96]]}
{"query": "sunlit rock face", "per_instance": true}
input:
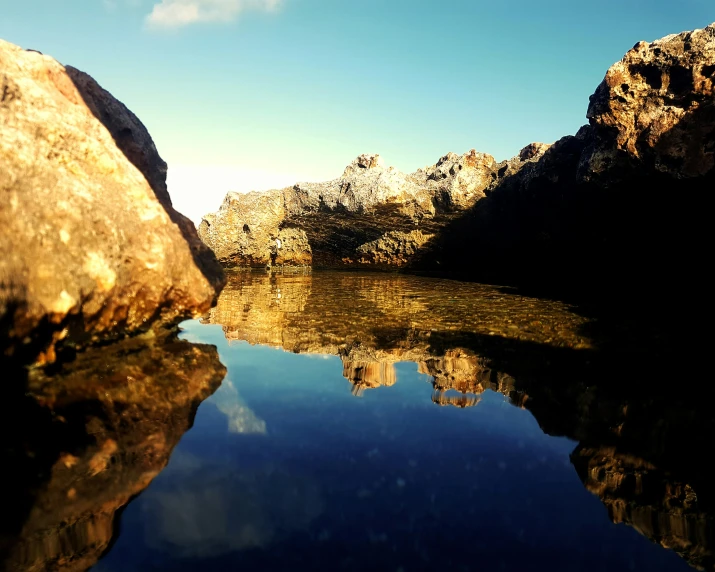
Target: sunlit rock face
{"points": [[84, 440], [656, 105], [614, 206], [372, 216], [91, 246]]}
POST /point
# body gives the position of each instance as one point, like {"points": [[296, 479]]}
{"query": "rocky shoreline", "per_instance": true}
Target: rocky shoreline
{"points": [[617, 204]]}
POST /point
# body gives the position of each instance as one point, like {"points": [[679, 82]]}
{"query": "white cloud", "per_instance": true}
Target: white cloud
{"points": [[177, 13]]}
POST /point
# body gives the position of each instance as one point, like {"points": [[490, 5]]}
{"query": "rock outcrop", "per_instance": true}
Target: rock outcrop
{"points": [[615, 206], [373, 215], [612, 207], [92, 248]]}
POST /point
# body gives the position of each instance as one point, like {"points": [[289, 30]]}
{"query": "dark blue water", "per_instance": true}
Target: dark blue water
{"points": [[286, 469]]}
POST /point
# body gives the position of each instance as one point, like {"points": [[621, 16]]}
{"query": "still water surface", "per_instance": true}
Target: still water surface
{"points": [[399, 423]]}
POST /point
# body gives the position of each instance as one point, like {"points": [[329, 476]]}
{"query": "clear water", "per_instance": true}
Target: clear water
{"points": [[365, 422], [286, 468]]}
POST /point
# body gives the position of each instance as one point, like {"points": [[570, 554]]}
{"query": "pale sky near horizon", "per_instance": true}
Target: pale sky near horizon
{"points": [[256, 94]]}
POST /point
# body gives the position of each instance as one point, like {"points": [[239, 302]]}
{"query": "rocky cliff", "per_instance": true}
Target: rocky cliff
{"points": [[615, 204], [371, 216], [92, 248]]}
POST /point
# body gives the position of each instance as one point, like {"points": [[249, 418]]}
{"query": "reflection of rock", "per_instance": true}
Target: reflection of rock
{"points": [[662, 508], [87, 439], [468, 374], [91, 246], [368, 374], [644, 452], [392, 319], [216, 510], [240, 417]]}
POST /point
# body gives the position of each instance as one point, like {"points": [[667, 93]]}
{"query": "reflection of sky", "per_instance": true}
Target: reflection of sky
{"points": [[386, 481]]}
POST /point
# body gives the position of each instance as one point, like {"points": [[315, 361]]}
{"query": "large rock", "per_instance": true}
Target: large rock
{"points": [[372, 215], [615, 208], [657, 105], [92, 247]]}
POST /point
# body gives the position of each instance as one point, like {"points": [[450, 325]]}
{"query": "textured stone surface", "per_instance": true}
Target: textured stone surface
{"points": [[371, 215], [91, 245], [657, 105], [611, 210], [81, 450], [457, 182]]}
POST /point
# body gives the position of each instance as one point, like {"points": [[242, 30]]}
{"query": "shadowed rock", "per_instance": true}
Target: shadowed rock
{"points": [[614, 207]]}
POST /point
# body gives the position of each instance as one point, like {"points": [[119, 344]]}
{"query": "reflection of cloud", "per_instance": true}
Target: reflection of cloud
{"points": [[176, 13], [240, 417], [214, 513]]}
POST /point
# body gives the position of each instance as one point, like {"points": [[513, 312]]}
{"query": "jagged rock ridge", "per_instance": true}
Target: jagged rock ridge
{"points": [[372, 215]]}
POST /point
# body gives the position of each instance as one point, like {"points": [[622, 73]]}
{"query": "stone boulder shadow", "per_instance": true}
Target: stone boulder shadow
{"points": [[133, 139]]}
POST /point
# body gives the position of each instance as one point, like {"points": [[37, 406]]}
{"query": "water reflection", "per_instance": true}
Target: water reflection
{"points": [[643, 445], [80, 442]]}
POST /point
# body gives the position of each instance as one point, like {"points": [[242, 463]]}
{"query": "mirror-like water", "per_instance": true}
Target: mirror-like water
{"points": [[366, 421]]}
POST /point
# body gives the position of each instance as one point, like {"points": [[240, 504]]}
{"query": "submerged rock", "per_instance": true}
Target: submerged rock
{"points": [[372, 215], [92, 248]]}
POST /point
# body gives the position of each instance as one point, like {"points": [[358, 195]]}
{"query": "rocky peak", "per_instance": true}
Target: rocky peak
{"points": [[657, 106], [458, 181], [364, 162]]}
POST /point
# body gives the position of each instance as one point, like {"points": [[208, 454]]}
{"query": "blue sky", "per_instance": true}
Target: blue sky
{"points": [[247, 94]]}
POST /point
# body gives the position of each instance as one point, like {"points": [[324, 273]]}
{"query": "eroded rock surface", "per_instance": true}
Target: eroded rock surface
{"points": [[372, 215], [657, 106], [92, 248], [614, 207]]}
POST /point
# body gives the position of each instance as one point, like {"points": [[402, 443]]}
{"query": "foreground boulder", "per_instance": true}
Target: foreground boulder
{"points": [[91, 246], [372, 215], [618, 205]]}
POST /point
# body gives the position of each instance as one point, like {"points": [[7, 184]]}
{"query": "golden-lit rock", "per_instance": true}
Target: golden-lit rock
{"points": [[657, 105], [91, 246]]}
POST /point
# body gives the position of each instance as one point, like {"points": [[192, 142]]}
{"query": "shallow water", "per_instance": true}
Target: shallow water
{"points": [[374, 421]]}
